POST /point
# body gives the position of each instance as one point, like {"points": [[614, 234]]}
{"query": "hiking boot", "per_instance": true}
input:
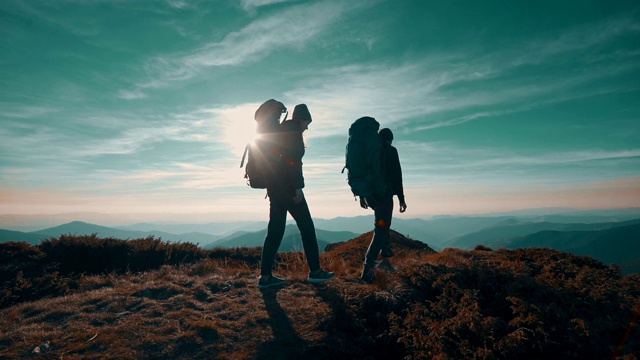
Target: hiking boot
{"points": [[368, 275], [320, 275], [386, 266], [267, 281]]}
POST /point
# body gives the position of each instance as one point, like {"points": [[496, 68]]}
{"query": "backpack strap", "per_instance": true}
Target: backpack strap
{"points": [[346, 148], [246, 150]]}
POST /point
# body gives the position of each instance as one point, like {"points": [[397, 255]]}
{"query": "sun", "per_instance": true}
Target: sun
{"points": [[238, 127]]}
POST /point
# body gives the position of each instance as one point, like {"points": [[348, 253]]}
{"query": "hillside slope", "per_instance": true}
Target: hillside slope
{"points": [[145, 298], [501, 234], [9, 235], [620, 245]]}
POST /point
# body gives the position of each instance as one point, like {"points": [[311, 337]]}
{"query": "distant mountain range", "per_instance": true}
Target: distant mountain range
{"points": [[290, 242], [220, 229], [82, 228], [610, 242], [31, 238], [608, 236], [617, 245], [436, 232], [467, 231], [503, 233]]}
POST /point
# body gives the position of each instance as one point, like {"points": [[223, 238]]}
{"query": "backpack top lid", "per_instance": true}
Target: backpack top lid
{"points": [[268, 114], [301, 112], [363, 126]]}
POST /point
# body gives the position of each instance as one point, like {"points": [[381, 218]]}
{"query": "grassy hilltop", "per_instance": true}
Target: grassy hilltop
{"points": [[83, 297]]}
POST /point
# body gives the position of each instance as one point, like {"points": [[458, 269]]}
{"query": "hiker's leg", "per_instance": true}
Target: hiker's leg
{"points": [[302, 216], [387, 252], [382, 222], [275, 231]]}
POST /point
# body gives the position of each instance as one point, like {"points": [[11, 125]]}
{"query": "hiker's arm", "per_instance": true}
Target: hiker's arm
{"points": [[398, 189]]}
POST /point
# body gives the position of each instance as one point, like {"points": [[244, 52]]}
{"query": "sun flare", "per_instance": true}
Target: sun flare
{"points": [[239, 127]]}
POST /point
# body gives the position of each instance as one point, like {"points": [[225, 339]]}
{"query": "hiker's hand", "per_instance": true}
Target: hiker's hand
{"points": [[368, 203], [403, 207], [363, 203], [299, 196]]}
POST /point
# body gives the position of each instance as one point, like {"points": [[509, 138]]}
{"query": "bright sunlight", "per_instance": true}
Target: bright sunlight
{"points": [[239, 126]]}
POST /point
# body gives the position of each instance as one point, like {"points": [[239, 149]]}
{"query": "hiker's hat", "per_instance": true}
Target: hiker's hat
{"points": [[385, 134], [301, 112]]}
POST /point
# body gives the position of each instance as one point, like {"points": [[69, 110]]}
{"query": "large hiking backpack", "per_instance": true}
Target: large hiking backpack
{"points": [[263, 155], [363, 159]]}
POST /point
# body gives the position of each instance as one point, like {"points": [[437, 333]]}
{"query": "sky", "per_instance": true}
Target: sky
{"points": [[140, 110]]}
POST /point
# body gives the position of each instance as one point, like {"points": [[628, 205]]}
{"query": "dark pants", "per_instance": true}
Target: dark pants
{"points": [[382, 223], [279, 206]]}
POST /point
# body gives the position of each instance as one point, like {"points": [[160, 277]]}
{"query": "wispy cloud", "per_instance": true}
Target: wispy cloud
{"points": [[347, 93], [50, 14], [586, 41], [250, 5], [77, 139], [290, 28], [131, 94], [9, 111], [455, 88], [181, 176], [178, 4], [443, 153]]}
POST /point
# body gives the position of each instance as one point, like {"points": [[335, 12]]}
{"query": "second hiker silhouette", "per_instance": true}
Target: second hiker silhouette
{"points": [[383, 208]]}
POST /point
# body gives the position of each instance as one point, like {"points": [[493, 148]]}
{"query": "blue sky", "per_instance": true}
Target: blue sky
{"points": [[141, 109]]}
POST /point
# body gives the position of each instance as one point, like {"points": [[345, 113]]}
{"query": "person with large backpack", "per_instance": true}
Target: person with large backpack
{"points": [[374, 175], [284, 188], [363, 161], [392, 175]]}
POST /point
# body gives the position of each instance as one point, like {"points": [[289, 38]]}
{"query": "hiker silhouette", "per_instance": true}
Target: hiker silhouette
{"points": [[286, 196], [383, 210]]}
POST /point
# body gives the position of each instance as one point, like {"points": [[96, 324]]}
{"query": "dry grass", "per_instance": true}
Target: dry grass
{"points": [[485, 304]]}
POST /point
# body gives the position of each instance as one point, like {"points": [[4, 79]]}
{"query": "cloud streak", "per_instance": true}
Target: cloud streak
{"points": [[586, 40], [251, 5], [452, 89], [290, 28], [453, 156]]}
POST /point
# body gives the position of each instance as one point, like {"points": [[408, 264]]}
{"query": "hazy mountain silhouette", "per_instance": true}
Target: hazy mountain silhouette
{"points": [[8, 235], [617, 245], [83, 228], [435, 232], [439, 232], [220, 229], [468, 231], [290, 242], [442, 229], [500, 234]]}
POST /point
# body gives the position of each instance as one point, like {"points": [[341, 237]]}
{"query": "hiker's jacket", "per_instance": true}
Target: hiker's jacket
{"points": [[392, 172], [292, 153]]}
